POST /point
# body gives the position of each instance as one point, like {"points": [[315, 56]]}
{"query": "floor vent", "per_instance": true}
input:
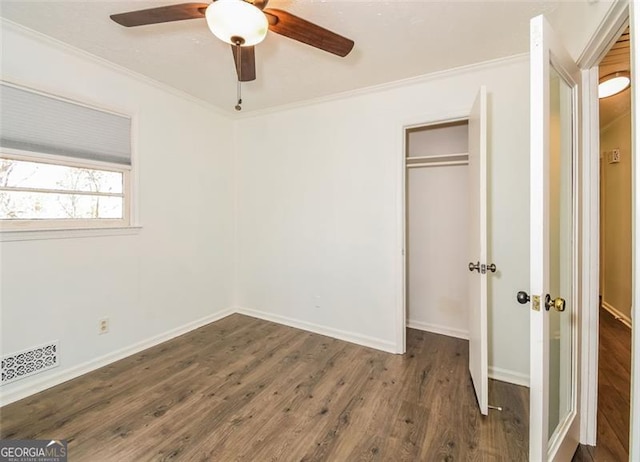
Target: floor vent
{"points": [[28, 362]]}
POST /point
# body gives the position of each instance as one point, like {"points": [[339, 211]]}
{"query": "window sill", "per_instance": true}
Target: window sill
{"points": [[69, 233]]}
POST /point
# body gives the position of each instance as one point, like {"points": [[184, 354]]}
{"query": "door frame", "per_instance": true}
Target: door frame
{"points": [[612, 26], [426, 120]]}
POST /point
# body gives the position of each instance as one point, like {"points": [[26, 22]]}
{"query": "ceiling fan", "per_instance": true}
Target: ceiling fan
{"points": [[243, 24]]}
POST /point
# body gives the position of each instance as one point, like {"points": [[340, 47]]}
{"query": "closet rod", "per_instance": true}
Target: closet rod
{"points": [[432, 158], [439, 164]]}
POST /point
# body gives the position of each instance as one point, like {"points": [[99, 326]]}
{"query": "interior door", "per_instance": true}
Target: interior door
{"points": [[478, 336], [554, 418]]}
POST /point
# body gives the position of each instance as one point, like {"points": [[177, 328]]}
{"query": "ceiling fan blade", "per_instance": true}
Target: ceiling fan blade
{"points": [[246, 69], [161, 14], [299, 29]]}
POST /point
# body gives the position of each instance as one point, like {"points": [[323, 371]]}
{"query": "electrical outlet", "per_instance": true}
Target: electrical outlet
{"points": [[103, 326], [317, 301]]}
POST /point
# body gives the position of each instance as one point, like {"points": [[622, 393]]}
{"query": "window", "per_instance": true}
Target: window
{"points": [[45, 191], [62, 164]]}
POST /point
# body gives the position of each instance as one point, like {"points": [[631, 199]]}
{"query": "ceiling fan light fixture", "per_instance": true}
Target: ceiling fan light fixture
{"points": [[613, 84], [233, 19]]}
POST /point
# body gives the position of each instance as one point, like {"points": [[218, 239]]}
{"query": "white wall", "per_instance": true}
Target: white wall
{"points": [[577, 21], [438, 250], [438, 234], [318, 230], [319, 209], [176, 271]]}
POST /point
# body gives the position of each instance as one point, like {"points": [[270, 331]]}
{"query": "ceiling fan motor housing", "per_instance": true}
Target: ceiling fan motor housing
{"points": [[230, 19]]}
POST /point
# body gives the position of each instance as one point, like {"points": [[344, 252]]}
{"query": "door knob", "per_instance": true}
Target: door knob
{"points": [[558, 303], [474, 266], [491, 267], [523, 297]]}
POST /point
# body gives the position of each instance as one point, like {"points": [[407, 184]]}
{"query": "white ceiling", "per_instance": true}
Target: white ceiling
{"points": [[393, 40]]}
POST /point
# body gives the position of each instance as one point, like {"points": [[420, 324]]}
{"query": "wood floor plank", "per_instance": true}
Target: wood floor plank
{"points": [[243, 389], [614, 389]]}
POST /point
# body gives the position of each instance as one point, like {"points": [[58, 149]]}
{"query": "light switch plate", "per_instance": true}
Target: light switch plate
{"points": [[614, 156]]}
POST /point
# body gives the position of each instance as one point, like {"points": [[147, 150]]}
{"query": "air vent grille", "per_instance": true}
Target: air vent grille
{"points": [[29, 362]]}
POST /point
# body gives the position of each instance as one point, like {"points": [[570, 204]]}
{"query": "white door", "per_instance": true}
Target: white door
{"points": [[554, 418], [478, 337]]}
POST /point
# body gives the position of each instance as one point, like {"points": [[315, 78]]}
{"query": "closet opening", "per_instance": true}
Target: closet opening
{"points": [[437, 227]]}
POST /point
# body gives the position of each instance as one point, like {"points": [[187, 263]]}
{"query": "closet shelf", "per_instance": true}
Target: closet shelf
{"points": [[442, 160], [439, 164]]}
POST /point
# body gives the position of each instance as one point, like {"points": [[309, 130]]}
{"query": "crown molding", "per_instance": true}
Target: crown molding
{"points": [[438, 75], [75, 51], [447, 73]]}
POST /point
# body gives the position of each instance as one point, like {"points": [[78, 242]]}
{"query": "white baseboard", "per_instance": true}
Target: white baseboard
{"points": [[495, 373], [437, 329], [37, 385], [351, 337], [505, 375], [623, 318]]}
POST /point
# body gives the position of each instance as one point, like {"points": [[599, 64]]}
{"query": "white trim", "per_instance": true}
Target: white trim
{"points": [[634, 431], [590, 258], [444, 74], [67, 233], [505, 375], [617, 314], [16, 226], [400, 263], [439, 329], [51, 380], [352, 337], [50, 41], [607, 33], [131, 175]]}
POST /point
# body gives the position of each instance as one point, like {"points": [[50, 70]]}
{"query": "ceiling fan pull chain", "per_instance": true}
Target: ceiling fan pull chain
{"points": [[239, 67]]}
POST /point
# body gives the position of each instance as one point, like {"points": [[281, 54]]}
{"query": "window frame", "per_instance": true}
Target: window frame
{"points": [[45, 229], [127, 220]]}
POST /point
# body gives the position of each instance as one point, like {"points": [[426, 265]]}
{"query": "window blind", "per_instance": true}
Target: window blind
{"points": [[38, 123]]}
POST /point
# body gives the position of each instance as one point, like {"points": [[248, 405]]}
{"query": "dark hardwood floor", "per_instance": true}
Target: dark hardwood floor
{"points": [[243, 389], [614, 389]]}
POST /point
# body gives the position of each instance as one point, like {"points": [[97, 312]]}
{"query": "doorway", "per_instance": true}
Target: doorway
{"points": [[437, 223], [614, 335], [456, 228], [606, 377]]}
